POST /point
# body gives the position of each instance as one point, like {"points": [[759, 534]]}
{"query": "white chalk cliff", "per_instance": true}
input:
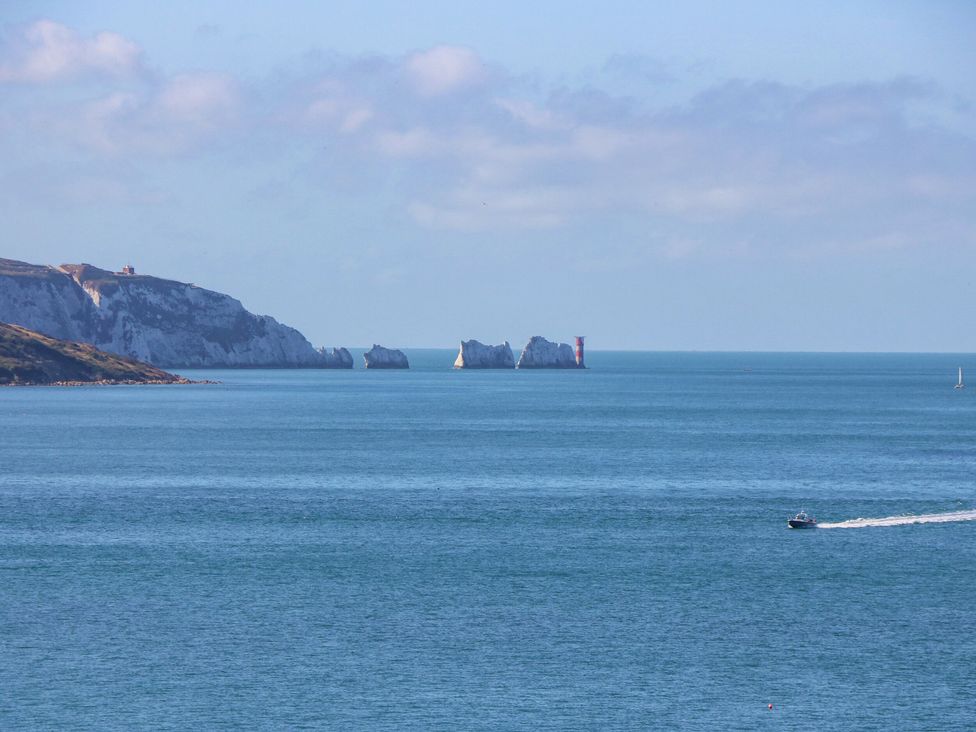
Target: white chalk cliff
{"points": [[542, 354], [338, 358], [476, 355], [161, 322], [378, 357]]}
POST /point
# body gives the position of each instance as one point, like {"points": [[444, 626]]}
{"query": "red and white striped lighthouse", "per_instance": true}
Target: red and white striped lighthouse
{"points": [[579, 352]]}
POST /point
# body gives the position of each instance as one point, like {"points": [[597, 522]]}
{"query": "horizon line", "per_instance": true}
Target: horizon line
{"points": [[721, 350]]}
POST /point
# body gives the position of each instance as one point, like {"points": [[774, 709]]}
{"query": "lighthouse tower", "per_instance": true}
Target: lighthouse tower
{"points": [[579, 352]]}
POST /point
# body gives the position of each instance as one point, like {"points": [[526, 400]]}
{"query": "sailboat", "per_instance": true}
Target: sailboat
{"points": [[960, 385]]}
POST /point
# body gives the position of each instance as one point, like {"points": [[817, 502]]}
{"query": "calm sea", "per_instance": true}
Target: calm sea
{"points": [[449, 550]]}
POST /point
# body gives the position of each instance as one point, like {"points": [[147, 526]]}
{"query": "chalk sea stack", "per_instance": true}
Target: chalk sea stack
{"points": [[542, 354], [476, 355], [158, 321], [31, 358], [378, 357], [339, 358]]}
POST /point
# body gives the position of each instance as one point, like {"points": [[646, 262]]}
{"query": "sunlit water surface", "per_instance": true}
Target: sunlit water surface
{"points": [[435, 549]]}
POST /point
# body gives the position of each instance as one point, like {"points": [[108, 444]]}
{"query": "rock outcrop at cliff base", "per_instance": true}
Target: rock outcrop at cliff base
{"points": [[542, 354], [157, 321], [476, 355], [378, 357]]}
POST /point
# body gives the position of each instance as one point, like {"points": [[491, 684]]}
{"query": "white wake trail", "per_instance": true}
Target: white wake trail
{"points": [[925, 518]]}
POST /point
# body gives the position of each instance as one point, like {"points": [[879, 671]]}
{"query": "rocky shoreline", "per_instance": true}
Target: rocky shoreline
{"points": [[112, 382]]}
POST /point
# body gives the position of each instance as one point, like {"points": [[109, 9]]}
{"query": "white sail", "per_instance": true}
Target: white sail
{"points": [[959, 384]]}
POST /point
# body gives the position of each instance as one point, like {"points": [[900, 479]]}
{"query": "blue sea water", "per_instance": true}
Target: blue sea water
{"points": [[436, 549]]}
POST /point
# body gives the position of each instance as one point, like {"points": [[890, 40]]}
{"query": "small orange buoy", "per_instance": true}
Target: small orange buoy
{"points": [[770, 707]]}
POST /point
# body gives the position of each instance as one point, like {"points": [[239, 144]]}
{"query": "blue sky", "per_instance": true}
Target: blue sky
{"points": [[735, 176]]}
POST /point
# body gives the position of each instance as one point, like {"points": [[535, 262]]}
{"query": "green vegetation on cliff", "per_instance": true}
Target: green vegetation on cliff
{"points": [[27, 357]]}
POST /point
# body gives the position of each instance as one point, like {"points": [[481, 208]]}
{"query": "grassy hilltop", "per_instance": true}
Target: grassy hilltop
{"points": [[27, 357]]}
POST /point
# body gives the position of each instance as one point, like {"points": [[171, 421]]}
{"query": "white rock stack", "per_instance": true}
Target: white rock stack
{"points": [[542, 354], [378, 357], [476, 355], [338, 358]]}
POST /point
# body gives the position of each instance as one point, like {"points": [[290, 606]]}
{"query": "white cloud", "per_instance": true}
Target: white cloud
{"points": [[97, 125], [127, 111], [203, 100], [332, 106], [463, 211], [184, 111], [735, 152], [355, 118], [509, 154], [534, 116], [417, 142], [49, 52], [601, 143], [444, 69]]}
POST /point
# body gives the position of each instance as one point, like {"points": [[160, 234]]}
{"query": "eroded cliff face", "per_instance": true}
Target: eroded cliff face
{"points": [[162, 322], [476, 355], [46, 300], [378, 357], [542, 354]]}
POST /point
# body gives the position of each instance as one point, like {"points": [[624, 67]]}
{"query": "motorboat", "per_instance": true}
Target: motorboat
{"points": [[802, 521]]}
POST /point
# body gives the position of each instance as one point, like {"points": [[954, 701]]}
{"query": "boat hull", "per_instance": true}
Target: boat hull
{"points": [[797, 524]]}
